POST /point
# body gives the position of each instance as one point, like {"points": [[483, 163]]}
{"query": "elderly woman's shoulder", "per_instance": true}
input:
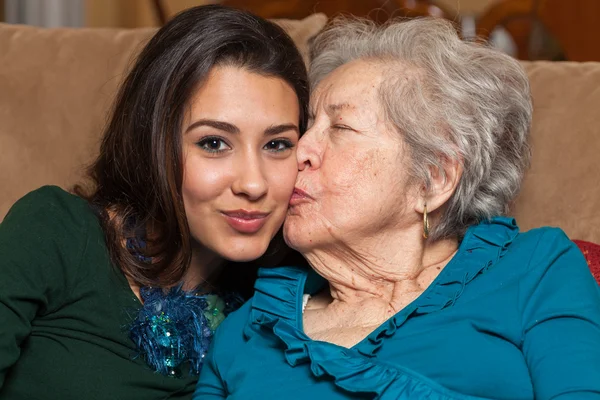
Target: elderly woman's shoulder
{"points": [[547, 246], [545, 235]]}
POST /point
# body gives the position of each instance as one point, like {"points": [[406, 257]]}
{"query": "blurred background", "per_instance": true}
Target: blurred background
{"points": [[89, 13], [526, 29]]}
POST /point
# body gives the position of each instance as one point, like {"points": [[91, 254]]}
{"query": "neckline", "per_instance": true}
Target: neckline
{"points": [[408, 309], [279, 291]]}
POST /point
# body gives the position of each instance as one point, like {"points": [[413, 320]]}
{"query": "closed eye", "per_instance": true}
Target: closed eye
{"points": [[342, 127]]}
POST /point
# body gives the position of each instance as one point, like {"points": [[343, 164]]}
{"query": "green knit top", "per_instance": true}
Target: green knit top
{"points": [[65, 309]]}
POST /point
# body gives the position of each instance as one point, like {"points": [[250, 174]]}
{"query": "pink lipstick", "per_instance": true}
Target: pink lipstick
{"points": [[245, 221]]}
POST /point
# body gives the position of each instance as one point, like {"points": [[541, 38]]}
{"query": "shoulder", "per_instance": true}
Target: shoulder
{"points": [[43, 240], [544, 245], [536, 256], [230, 333], [550, 259], [229, 337], [557, 282], [543, 232], [49, 203], [48, 225]]}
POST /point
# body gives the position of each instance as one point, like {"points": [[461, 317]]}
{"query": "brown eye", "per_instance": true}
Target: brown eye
{"points": [[278, 145], [213, 145]]}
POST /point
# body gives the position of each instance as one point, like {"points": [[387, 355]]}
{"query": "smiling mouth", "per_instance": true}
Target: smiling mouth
{"points": [[244, 221]]}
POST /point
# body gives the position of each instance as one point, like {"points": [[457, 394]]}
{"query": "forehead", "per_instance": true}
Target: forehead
{"points": [[350, 84], [239, 83], [231, 92]]}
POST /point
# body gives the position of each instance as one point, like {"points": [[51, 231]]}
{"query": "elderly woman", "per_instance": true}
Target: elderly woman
{"points": [[421, 287]]}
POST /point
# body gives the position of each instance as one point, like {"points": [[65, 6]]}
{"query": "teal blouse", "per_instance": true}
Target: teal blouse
{"points": [[512, 316]]}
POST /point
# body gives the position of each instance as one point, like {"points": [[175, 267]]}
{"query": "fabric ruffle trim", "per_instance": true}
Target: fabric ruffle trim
{"points": [[356, 373], [277, 306]]}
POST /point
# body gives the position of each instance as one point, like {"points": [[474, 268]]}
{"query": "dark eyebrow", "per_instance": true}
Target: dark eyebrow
{"points": [[220, 125], [277, 129]]}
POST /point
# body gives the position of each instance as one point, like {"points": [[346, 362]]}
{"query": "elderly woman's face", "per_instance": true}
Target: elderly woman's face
{"points": [[352, 182]]}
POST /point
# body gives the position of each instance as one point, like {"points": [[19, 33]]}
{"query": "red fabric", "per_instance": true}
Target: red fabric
{"points": [[591, 252]]}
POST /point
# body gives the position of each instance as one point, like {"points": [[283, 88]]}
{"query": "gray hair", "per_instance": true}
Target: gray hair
{"points": [[467, 102]]}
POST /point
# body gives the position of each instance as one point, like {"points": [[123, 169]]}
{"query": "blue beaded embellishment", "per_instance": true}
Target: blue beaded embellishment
{"points": [[174, 327]]}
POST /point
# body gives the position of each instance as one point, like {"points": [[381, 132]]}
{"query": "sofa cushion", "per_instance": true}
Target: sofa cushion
{"points": [[56, 86], [562, 188]]}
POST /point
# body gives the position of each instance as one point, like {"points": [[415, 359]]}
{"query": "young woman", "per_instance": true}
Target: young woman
{"points": [[115, 292]]}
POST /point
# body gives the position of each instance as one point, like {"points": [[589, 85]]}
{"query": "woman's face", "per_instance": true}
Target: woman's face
{"points": [[239, 147], [352, 183]]}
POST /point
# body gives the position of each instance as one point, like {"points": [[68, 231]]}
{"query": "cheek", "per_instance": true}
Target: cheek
{"points": [[282, 178], [355, 174], [203, 180], [364, 184]]}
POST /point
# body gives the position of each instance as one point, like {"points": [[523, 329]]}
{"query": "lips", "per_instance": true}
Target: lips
{"points": [[299, 196], [245, 221]]}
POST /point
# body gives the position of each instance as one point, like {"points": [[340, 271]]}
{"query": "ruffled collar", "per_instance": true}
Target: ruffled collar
{"points": [[277, 306]]}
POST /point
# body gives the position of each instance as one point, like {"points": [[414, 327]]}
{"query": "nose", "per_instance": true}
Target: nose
{"points": [[309, 151], [250, 180]]}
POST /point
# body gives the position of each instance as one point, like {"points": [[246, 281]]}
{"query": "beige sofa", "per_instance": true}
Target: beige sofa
{"points": [[57, 85]]}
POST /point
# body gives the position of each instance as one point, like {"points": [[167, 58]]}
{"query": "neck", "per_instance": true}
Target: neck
{"points": [[384, 267], [204, 268]]}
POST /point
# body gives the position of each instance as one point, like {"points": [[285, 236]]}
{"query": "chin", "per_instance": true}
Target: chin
{"points": [[305, 235], [294, 237], [245, 249]]}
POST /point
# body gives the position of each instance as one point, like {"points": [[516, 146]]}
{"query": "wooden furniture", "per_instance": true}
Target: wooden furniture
{"points": [[465, 7], [574, 24], [378, 10]]}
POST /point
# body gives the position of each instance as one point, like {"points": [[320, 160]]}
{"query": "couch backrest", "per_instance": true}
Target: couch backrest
{"points": [[562, 188], [56, 86]]}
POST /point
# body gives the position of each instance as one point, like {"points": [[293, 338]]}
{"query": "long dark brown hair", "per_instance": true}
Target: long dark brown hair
{"points": [[138, 175]]}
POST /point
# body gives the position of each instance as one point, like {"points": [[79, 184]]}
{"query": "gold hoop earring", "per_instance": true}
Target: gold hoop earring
{"points": [[425, 222]]}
